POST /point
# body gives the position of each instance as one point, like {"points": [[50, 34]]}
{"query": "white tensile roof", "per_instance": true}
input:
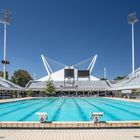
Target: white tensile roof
{"points": [[59, 76]]}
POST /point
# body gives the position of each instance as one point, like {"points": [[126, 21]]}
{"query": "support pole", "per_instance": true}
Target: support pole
{"points": [[47, 69], [104, 72], [4, 65], [133, 53], [132, 19], [5, 20]]}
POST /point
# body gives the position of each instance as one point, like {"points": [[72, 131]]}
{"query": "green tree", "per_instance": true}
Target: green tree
{"points": [[119, 77], [7, 75], [30, 93], [14, 94], [103, 79], [21, 77], [50, 88]]}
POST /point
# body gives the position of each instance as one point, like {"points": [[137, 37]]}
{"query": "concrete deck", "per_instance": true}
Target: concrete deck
{"points": [[111, 134], [29, 98], [69, 125], [124, 99], [16, 99]]}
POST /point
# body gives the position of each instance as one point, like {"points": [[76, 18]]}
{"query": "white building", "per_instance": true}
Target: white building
{"points": [[60, 74]]}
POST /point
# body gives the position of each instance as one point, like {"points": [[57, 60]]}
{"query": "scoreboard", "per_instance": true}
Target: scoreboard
{"points": [[69, 73], [83, 73]]}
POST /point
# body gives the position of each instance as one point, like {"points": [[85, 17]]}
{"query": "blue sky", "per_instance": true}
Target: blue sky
{"points": [[70, 31]]}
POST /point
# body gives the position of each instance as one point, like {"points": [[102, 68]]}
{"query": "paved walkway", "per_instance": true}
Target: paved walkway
{"points": [[114, 134]]}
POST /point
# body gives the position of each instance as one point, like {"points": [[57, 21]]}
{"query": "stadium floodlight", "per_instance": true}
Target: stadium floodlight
{"points": [[132, 19], [5, 20]]}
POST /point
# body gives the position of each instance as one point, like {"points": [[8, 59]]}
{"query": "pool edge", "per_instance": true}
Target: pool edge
{"points": [[70, 125]]}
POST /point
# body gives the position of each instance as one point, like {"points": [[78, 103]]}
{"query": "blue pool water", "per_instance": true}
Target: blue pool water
{"points": [[70, 109]]}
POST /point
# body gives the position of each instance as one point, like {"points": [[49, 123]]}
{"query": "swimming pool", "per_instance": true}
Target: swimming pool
{"points": [[70, 109]]}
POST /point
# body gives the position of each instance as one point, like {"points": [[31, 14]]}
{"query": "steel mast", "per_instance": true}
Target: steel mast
{"points": [[5, 20]]}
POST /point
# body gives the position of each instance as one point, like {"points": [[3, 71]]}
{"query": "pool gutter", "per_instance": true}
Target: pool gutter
{"points": [[70, 125]]}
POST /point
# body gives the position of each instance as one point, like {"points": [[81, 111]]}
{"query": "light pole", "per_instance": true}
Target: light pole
{"points": [[105, 73], [5, 16], [132, 19]]}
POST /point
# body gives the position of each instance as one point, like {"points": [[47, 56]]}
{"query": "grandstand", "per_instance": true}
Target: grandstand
{"points": [[132, 81], [5, 84], [73, 81], [7, 88]]}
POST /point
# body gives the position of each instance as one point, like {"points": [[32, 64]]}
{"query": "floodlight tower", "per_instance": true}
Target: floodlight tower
{"points": [[5, 20], [105, 73], [132, 19]]}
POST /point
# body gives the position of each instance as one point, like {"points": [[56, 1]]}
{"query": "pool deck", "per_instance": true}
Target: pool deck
{"points": [[29, 98], [110, 134], [69, 125], [16, 99], [124, 99]]}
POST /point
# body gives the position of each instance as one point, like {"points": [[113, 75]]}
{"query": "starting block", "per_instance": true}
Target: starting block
{"points": [[42, 117], [95, 116]]}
